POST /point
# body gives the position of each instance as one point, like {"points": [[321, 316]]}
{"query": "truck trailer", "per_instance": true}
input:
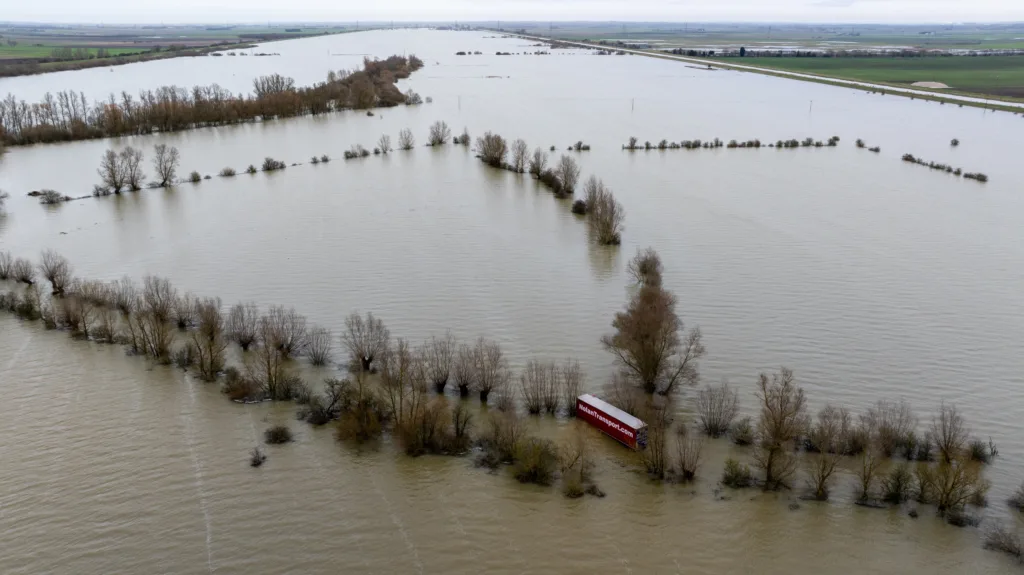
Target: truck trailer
{"points": [[617, 424]]}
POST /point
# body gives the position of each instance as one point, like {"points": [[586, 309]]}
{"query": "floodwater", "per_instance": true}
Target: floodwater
{"points": [[871, 278]]}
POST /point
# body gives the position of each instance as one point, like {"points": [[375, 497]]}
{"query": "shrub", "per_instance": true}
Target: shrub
{"points": [[957, 483], [1016, 500], [464, 138], [535, 462], [384, 143], [520, 153], [23, 271], [876, 149], [860, 143], [955, 142], [256, 457], [572, 385], [406, 140], [898, 485], [251, 169], [364, 422], [736, 475], [891, 425], [195, 177], [440, 133], [867, 473], [325, 158], [52, 197], [688, 454], [492, 149], [318, 346], [314, 160], [579, 207], [743, 432], [717, 406], [227, 172], [981, 452], [999, 538], [976, 176], [270, 164], [277, 435], [568, 172], [238, 387]]}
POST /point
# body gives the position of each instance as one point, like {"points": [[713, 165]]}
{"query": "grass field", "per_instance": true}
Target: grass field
{"points": [[44, 51], [991, 75]]}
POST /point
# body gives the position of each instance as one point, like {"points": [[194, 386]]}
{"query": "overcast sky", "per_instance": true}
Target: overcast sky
{"points": [[145, 11]]}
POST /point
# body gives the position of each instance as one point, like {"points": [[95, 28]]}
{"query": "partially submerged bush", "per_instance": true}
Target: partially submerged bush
{"points": [[981, 452], [251, 169], [535, 461], [736, 475], [227, 172], [689, 448], [439, 135], [318, 346], [277, 435], [270, 164], [1016, 500], [717, 406], [52, 197], [579, 207], [492, 149], [898, 485], [256, 457], [1001, 538], [743, 432], [406, 140], [195, 177], [23, 271]]}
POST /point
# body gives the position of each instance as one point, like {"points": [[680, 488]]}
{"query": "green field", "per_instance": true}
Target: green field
{"points": [[990, 75], [44, 51]]}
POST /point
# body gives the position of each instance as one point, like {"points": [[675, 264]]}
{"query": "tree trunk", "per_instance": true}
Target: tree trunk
{"points": [[463, 391], [483, 395], [440, 385]]}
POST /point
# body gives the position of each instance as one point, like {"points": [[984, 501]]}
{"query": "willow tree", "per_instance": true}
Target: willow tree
{"points": [[650, 345]]}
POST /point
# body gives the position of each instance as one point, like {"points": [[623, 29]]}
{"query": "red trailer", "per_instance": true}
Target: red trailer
{"points": [[617, 424]]}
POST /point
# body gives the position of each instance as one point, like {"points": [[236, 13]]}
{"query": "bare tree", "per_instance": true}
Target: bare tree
{"points": [[890, 424], [492, 370], [464, 369], [124, 295], [867, 473], [208, 341], [318, 346], [782, 420], [165, 162], [56, 269], [183, 311], [289, 331], [243, 321], [717, 406], [950, 432], [568, 172], [826, 437], [464, 139], [532, 382], [158, 297], [265, 366], [406, 140], [647, 343], [6, 263], [645, 268], [23, 271], [655, 456], [492, 149], [384, 144], [606, 215], [572, 385], [440, 354], [440, 133], [688, 452], [365, 339], [131, 167], [402, 381], [520, 151], [539, 162], [3, 200], [111, 172], [956, 483]]}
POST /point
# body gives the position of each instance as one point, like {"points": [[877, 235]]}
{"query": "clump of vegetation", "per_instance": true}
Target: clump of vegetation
{"points": [[782, 420], [736, 475], [689, 448], [520, 153], [251, 169], [982, 452], [898, 485], [52, 197], [579, 207], [860, 143], [314, 160], [366, 340], [227, 172], [876, 149], [463, 139], [195, 177], [492, 149], [1001, 538], [535, 461], [165, 162], [977, 176], [1016, 500], [954, 142], [277, 435], [743, 432], [580, 147], [439, 134], [318, 346], [270, 164], [23, 271], [406, 140], [3, 200], [604, 213], [256, 457], [717, 407], [325, 158]]}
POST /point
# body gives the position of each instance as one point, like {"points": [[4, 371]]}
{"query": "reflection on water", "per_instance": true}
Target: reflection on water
{"points": [[870, 278]]}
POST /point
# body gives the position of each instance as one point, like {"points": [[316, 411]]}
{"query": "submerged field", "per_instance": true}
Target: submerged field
{"points": [[872, 278], [992, 75]]}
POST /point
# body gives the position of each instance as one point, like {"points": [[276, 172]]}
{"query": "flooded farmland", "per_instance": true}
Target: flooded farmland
{"points": [[871, 278]]}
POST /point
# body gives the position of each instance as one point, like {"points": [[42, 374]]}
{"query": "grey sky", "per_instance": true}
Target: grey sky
{"points": [[120, 11]]}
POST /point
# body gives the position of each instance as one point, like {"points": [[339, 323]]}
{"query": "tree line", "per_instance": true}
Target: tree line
{"points": [[69, 116], [398, 387]]}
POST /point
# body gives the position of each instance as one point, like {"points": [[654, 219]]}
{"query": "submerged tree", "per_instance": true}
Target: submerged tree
{"points": [[384, 144], [538, 163], [208, 339], [645, 268], [131, 167], [439, 355], [406, 140], [365, 339], [111, 172], [492, 149], [440, 133], [647, 343], [568, 172], [243, 321], [520, 151], [782, 420], [56, 269]]}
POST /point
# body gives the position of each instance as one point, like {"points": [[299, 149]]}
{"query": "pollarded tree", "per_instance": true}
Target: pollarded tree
{"points": [[131, 167], [568, 172], [165, 162], [57, 270], [492, 370], [365, 339], [647, 343], [492, 149], [243, 321], [520, 151], [406, 140], [111, 172], [208, 340], [440, 133], [782, 420], [439, 355]]}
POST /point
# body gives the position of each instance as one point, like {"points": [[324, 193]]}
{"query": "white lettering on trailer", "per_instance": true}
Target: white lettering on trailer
{"points": [[613, 424]]}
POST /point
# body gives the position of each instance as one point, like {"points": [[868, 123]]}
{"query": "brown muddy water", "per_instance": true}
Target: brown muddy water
{"points": [[871, 278]]}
